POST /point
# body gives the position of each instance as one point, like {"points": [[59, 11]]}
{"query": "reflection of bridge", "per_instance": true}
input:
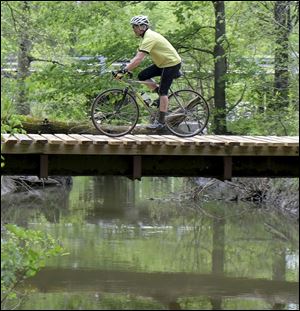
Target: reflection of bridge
{"points": [[164, 287], [151, 155]]}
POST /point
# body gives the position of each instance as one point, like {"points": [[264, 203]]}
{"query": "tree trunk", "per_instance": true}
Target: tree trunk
{"points": [[23, 106], [220, 69], [281, 75], [38, 126]]}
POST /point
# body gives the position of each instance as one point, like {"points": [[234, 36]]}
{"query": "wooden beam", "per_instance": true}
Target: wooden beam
{"points": [[227, 168], [43, 166], [150, 165], [137, 168]]}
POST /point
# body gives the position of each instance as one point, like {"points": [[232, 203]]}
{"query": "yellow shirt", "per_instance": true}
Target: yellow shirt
{"points": [[160, 49]]}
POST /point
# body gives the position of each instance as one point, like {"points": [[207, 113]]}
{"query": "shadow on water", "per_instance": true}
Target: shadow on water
{"points": [[136, 245]]}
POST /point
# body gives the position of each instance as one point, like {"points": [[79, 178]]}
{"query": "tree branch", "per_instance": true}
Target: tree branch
{"points": [[239, 100], [195, 49], [34, 59], [12, 15]]}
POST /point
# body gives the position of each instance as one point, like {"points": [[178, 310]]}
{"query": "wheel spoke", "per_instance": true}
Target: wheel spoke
{"points": [[194, 113], [115, 113]]}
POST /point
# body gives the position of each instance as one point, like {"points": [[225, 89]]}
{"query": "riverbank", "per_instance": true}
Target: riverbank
{"points": [[281, 194]]}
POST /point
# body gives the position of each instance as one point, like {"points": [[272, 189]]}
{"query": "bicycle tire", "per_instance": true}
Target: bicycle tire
{"points": [[190, 117], [115, 112]]}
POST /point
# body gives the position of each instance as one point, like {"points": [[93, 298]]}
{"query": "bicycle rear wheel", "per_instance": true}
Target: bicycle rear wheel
{"points": [[188, 113], [115, 112]]}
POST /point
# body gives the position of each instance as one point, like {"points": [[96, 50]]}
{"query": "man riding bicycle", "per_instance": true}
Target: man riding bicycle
{"points": [[166, 61]]}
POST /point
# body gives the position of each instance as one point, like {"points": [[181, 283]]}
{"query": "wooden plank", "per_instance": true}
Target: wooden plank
{"points": [[165, 140], [67, 139], [156, 140], [264, 140], [207, 141], [127, 140], [239, 140], [115, 141], [292, 138], [258, 142], [104, 140], [97, 139], [181, 141], [8, 139], [52, 139], [23, 139], [198, 142], [141, 140], [233, 140], [162, 139], [38, 138], [282, 140], [81, 139], [220, 140]]}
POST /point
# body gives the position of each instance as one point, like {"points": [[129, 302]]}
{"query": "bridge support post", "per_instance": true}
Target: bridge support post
{"points": [[137, 168], [43, 173], [227, 175]]}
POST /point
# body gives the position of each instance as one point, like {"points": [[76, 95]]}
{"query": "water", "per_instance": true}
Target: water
{"points": [[140, 245]]}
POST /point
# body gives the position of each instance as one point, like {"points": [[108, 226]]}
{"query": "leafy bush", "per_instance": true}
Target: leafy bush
{"points": [[23, 254]]}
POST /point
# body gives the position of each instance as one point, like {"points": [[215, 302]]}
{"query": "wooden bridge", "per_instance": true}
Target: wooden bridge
{"points": [[135, 156]]}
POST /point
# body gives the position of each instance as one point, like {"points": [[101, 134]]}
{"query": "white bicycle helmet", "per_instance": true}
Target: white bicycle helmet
{"points": [[139, 20]]}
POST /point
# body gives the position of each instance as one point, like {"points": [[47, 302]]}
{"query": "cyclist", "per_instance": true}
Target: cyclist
{"points": [[166, 61]]}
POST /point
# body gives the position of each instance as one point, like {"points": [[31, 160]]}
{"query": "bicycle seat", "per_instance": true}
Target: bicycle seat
{"points": [[179, 74]]}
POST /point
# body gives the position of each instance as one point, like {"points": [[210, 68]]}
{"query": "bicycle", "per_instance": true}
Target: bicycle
{"points": [[115, 112]]}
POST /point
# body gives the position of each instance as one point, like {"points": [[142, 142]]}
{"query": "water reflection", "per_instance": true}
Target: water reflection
{"points": [[137, 244]]}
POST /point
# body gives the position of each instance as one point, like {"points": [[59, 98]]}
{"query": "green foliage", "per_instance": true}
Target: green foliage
{"points": [[23, 254], [61, 87], [91, 301]]}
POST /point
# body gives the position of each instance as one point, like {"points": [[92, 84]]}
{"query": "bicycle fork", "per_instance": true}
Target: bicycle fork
{"points": [[122, 101]]}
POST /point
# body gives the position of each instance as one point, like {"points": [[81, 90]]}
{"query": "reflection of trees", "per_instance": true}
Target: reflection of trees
{"points": [[194, 242], [164, 287], [113, 197], [263, 237], [22, 207], [279, 271], [218, 253]]}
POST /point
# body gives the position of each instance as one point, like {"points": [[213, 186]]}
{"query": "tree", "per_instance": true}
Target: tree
{"points": [[220, 69], [283, 27]]}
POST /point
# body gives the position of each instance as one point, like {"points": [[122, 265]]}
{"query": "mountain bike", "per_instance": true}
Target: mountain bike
{"points": [[115, 112]]}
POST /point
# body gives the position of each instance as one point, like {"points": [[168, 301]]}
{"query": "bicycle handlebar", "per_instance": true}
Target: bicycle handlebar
{"points": [[128, 73]]}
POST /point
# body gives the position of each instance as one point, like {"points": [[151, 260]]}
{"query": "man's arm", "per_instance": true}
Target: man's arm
{"points": [[136, 61]]}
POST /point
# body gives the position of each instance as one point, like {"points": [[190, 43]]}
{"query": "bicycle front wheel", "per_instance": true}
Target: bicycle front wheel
{"points": [[115, 112], [188, 113]]}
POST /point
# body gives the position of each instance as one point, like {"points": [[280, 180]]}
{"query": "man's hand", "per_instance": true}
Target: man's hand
{"points": [[120, 73]]}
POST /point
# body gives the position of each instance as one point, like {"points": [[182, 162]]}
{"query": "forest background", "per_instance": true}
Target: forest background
{"points": [[241, 55]]}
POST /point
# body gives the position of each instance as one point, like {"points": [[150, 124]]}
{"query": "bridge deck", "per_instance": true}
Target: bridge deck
{"points": [[134, 156], [214, 145]]}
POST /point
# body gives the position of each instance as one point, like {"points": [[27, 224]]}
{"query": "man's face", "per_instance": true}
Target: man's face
{"points": [[137, 30]]}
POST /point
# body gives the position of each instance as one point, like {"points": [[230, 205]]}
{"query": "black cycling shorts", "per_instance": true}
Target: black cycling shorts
{"points": [[167, 74]]}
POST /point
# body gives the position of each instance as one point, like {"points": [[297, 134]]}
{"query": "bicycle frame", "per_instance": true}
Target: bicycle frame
{"points": [[129, 85]]}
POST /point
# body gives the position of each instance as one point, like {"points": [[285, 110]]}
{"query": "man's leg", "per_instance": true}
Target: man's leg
{"points": [[163, 103], [167, 77], [163, 108], [147, 74], [151, 84]]}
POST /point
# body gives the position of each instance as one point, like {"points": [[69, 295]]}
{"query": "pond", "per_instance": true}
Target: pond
{"points": [[141, 245]]}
